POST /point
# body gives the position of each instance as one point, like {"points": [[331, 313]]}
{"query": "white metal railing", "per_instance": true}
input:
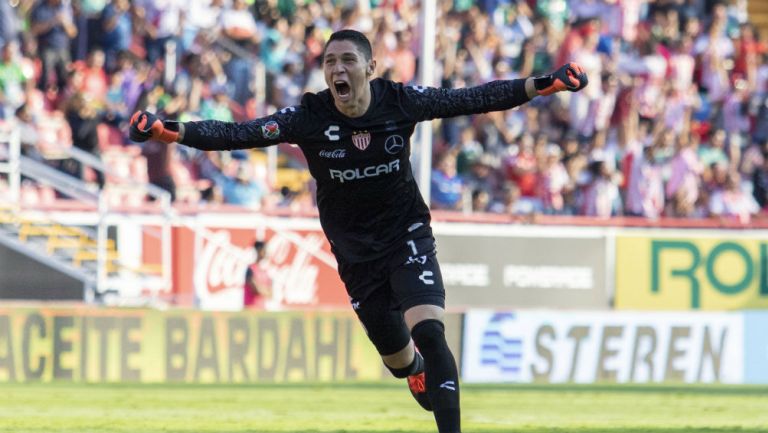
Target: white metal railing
{"points": [[14, 166], [160, 195], [9, 162]]}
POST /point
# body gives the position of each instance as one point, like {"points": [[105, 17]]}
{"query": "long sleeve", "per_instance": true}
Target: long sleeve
{"points": [[283, 126], [426, 103]]}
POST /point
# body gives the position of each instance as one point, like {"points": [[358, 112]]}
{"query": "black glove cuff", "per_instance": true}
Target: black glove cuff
{"points": [[171, 125], [541, 83]]}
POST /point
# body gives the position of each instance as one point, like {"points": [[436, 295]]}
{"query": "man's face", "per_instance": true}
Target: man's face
{"points": [[346, 71]]}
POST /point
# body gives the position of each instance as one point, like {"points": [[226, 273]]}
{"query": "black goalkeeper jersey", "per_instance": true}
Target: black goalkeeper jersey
{"points": [[367, 197]]}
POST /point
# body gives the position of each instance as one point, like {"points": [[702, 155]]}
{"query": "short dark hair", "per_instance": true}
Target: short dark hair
{"points": [[361, 42]]}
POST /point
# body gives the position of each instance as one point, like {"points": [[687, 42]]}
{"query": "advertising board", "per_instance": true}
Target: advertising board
{"points": [[591, 347], [494, 267], [210, 264], [689, 272], [97, 345], [756, 347]]}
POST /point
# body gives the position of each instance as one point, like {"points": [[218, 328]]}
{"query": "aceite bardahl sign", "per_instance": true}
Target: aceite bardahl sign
{"points": [[113, 345]]}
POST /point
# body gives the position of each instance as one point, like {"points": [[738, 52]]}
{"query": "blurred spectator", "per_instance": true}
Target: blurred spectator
{"points": [[12, 80], [601, 195], [51, 22], [447, 186], [480, 200], [469, 150], [553, 181], [682, 189], [258, 283], [10, 25], [203, 17], [732, 201], [239, 25], [403, 58], [28, 133], [736, 121], [509, 202], [484, 175], [645, 185], [94, 82], [88, 21], [241, 188], [760, 185], [159, 161], [288, 86], [83, 120], [161, 23], [521, 166], [217, 107], [117, 31], [713, 151]]}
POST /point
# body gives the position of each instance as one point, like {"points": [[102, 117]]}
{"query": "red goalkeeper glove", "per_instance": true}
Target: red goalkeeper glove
{"points": [[569, 77], [145, 126]]}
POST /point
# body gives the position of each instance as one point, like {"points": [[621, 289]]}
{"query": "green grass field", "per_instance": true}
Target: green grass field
{"points": [[73, 408]]}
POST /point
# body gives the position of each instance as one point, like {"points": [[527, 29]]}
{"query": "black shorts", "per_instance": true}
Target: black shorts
{"points": [[381, 290]]}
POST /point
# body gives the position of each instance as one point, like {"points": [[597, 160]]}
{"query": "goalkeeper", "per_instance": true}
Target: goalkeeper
{"points": [[356, 139]]}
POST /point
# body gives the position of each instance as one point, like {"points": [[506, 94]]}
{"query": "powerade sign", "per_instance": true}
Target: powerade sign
{"points": [[694, 273], [591, 347], [494, 267]]}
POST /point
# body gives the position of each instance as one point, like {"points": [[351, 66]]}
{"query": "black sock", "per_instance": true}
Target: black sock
{"points": [[441, 374]]}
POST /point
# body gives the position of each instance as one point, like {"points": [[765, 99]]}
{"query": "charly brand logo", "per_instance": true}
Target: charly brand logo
{"points": [[333, 154], [394, 144], [362, 173], [449, 385], [330, 132], [270, 130], [361, 139]]}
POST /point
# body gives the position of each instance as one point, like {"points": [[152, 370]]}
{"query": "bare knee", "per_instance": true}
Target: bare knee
{"points": [[420, 313], [401, 358]]}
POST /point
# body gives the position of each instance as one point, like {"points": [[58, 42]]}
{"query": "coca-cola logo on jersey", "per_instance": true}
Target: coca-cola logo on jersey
{"points": [[333, 154]]}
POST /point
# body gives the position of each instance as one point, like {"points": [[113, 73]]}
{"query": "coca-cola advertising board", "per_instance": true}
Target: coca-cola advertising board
{"points": [[210, 265]]}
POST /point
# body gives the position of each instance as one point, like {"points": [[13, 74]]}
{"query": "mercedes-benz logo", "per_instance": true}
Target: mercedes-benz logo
{"points": [[394, 144]]}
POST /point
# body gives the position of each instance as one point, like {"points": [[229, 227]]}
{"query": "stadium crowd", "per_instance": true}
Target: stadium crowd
{"points": [[674, 122]]}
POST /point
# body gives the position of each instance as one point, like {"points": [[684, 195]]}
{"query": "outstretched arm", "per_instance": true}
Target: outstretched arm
{"points": [[280, 127], [425, 103]]}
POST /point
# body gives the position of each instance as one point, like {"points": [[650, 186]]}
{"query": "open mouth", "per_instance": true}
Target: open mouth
{"points": [[342, 88]]}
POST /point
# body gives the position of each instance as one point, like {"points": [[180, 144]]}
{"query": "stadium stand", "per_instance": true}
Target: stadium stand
{"points": [[666, 121]]}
